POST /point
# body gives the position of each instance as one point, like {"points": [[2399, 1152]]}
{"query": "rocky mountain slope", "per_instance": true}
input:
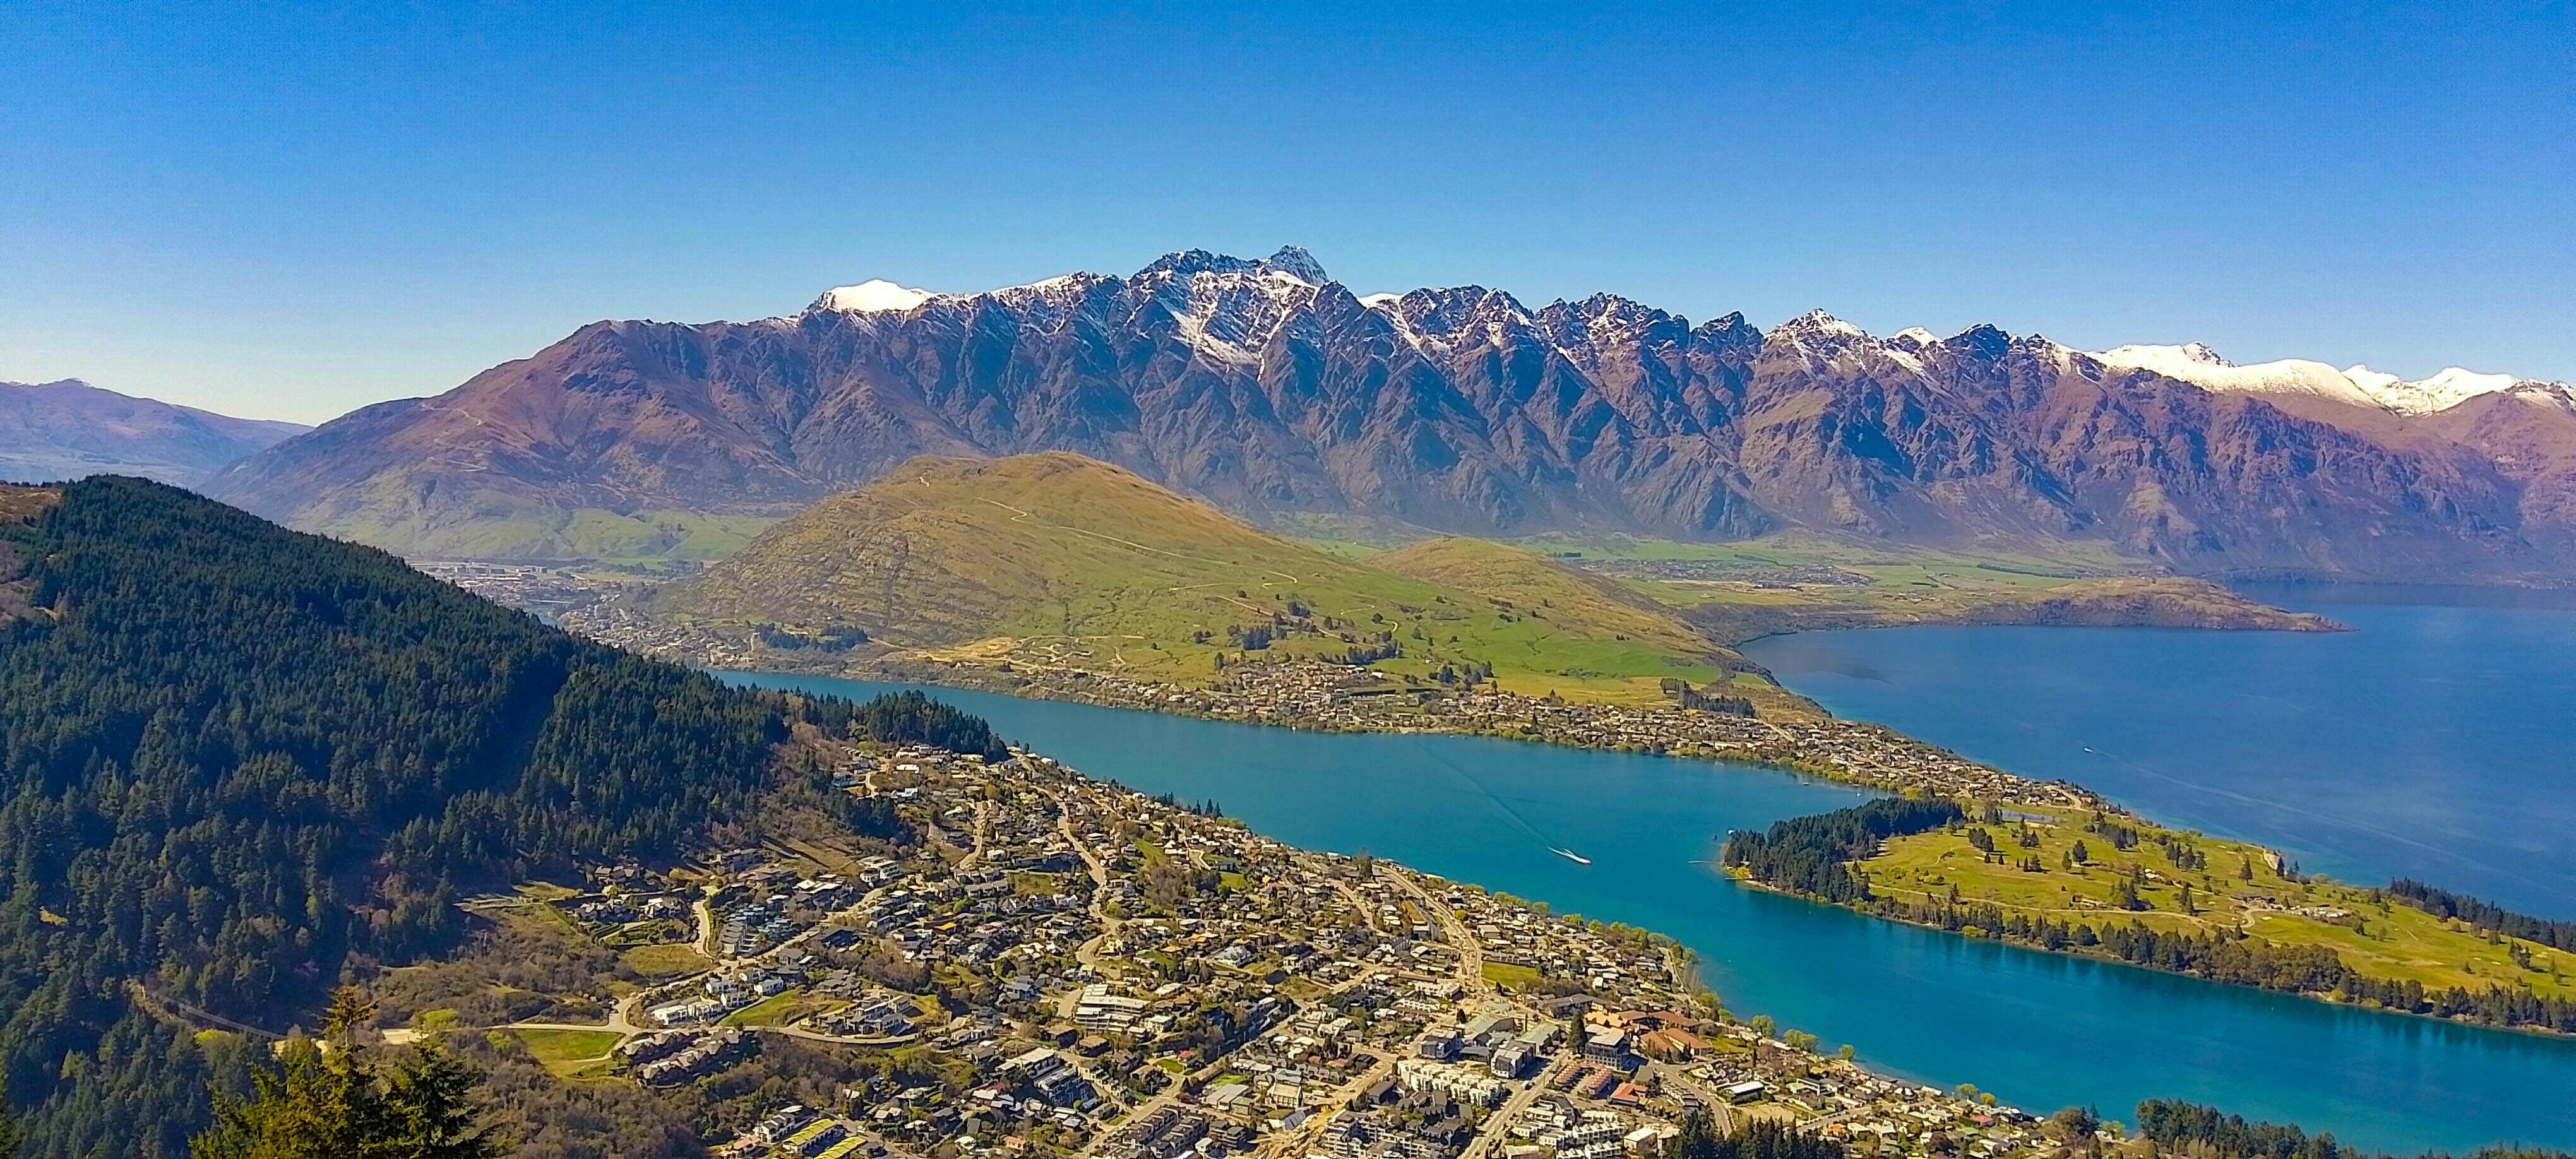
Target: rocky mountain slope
{"points": [[1269, 390], [69, 430]]}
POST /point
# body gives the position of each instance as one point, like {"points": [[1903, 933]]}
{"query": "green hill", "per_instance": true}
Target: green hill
{"points": [[1574, 605], [1056, 559]]}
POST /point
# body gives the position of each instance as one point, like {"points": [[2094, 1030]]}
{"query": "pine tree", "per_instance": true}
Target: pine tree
{"points": [[333, 1103], [11, 1136]]}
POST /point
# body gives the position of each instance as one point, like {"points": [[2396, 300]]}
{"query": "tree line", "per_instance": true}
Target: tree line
{"points": [[2484, 915], [912, 717], [1699, 1138], [2173, 1126], [1812, 855]]}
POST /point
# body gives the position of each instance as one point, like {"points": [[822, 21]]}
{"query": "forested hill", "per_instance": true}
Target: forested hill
{"points": [[234, 759]]}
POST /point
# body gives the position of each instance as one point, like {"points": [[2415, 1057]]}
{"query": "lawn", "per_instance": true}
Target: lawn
{"points": [[568, 1052], [778, 1009], [1506, 974], [665, 961]]}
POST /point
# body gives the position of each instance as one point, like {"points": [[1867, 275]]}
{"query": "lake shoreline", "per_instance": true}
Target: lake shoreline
{"points": [[1918, 1005], [1786, 758]]}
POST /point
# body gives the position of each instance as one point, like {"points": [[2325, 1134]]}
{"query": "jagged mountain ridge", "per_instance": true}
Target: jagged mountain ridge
{"points": [[1265, 388], [69, 429]]}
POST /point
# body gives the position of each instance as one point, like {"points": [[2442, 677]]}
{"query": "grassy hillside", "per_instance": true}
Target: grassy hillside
{"points": [[2132, 871], [1581, 618], [1056, 559]]}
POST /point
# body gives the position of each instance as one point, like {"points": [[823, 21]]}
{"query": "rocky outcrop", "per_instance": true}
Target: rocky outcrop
{"points": [[1269, 390]]}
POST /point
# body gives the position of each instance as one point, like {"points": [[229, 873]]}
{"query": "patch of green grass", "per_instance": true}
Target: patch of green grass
{"points": [[1506, 974], [559, 1049], [776, 1010], [666, 960]]}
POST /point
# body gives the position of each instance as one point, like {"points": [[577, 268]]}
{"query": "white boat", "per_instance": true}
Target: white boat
{"points": [[1570, 855]]}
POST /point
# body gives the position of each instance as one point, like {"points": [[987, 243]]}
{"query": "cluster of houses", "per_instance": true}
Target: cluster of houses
{"points": [[722, 994], [1214, 992], [1178, 1133], [676, 1056], [1052, 1077], [1574, 1132], [881, 1015], [800, 1131], [626, 909]]}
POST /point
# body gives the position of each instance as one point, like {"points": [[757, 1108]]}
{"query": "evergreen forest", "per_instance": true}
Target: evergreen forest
{"points": [[238, 761]]}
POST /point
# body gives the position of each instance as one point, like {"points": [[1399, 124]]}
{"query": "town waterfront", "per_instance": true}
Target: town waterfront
{"points": [[2434, 741], [2041, 1031]]}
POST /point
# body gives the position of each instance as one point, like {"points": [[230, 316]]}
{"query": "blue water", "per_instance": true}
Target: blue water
{"points": [[2437, 741], [2038, 1030]]}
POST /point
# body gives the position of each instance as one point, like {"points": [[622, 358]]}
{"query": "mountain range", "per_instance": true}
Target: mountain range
{"points": [[1273, 392], [69, 429]]}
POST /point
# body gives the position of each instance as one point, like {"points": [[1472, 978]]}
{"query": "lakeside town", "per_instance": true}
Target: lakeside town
{"points": [[1039, 963], [1330, 697]]}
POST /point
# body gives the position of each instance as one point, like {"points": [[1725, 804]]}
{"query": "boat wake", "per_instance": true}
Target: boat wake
{"points": [[1570, 855]]}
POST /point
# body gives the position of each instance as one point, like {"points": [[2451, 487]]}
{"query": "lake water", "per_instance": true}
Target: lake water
{"points": [[2040, 1031], [2437, 741]]}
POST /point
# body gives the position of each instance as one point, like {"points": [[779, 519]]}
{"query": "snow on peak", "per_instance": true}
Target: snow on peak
{"points": [[2443, 391], [1819, 322], [1373, 301], [874, 296], [1917, 335], [2358, 385], [2201, 366], [2148, 357]]}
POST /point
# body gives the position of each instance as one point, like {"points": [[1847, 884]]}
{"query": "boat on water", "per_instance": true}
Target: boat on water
{"points": [[1570, 855]]}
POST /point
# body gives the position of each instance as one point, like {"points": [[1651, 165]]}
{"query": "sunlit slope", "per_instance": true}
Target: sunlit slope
{"points": [[1578, 621], [1059, 559]]}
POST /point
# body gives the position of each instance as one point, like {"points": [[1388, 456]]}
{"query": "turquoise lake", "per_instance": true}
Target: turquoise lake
{"points": [[2435, 741], [2038, 1030]]}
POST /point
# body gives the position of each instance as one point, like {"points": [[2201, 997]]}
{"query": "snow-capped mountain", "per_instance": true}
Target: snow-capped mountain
{"points": [[2357, 385], [1265, 387]]}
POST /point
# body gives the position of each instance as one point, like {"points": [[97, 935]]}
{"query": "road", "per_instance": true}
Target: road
{"points": [[1471, 952], [1720, 1112], [1498, 1126], [1087, 955]]}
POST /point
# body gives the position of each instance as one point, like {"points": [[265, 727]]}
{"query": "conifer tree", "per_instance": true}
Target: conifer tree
{"points": [[332, 1102]]}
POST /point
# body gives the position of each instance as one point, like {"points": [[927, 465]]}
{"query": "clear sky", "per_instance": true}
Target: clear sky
{"points": [[288, 212]]}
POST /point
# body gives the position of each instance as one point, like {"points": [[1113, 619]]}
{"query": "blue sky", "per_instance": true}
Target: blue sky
{"points": [[288, 212]]}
